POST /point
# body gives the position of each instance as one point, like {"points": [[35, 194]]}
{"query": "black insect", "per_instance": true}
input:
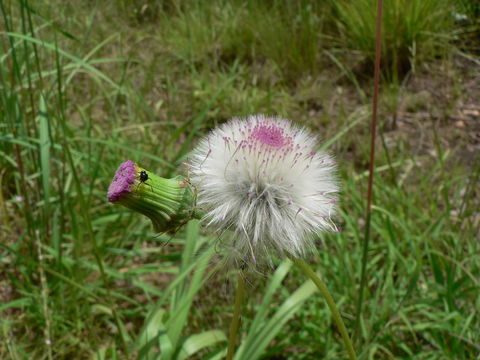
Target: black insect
{"points": [[143, 176]]}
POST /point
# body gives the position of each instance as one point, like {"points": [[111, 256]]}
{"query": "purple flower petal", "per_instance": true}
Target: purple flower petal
{"points": [[122, 181]]}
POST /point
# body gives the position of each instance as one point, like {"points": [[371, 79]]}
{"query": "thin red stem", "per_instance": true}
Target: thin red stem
{"points": [[376, 80], [373, 131]]}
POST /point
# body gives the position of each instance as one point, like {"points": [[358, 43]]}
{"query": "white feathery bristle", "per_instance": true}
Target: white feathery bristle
{"points": [[261, 178]]}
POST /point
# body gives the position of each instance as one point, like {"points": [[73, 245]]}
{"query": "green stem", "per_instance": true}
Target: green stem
{"points": [[236, 317], [331, 304]]}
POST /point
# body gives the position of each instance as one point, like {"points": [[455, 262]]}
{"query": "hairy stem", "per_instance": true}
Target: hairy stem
{"points": [[307, 270], [236, 317]]}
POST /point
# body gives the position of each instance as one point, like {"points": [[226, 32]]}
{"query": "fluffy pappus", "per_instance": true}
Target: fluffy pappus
{"points": [[262, 178]]}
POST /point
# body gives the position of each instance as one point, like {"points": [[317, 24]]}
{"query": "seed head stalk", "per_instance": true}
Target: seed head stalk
{"points": [[373, 129], [307, 270], [234, 325]]}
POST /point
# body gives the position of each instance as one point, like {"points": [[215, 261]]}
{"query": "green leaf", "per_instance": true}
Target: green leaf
{"points": [[254, 347], [150, 334], [167, 347], [178, 317], [19, 303], [274, 284], [200, 341], [45, 145]]}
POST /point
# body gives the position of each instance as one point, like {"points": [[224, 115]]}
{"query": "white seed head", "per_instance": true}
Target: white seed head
{"points": [[261, 178]]}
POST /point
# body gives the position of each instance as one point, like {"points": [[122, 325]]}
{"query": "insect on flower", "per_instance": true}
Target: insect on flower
{"points": [[143, 176], [262, 178], [167, 202]]}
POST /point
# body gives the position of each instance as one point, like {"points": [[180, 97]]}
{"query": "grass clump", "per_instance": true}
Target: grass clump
{"points": [[413, 31], [286, 34]]}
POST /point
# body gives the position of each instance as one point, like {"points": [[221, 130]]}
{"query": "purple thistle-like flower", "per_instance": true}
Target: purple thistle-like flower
{"points": [[122, 181]]}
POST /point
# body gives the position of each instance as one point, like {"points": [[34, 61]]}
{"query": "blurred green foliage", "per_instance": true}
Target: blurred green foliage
{"points": [[86, 85]]}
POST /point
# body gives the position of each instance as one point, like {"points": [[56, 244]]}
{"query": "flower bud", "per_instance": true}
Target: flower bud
{"points": [[168, 203]]}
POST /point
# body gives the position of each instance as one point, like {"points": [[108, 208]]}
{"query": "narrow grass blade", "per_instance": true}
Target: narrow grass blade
{"points": [[45, 144]]}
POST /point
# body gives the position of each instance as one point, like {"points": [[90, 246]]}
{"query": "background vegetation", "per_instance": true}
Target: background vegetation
{"points": [[85, 85]]}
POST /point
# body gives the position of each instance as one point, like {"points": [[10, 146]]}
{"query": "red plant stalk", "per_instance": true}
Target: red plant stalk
{"points": [[373, 131]]}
